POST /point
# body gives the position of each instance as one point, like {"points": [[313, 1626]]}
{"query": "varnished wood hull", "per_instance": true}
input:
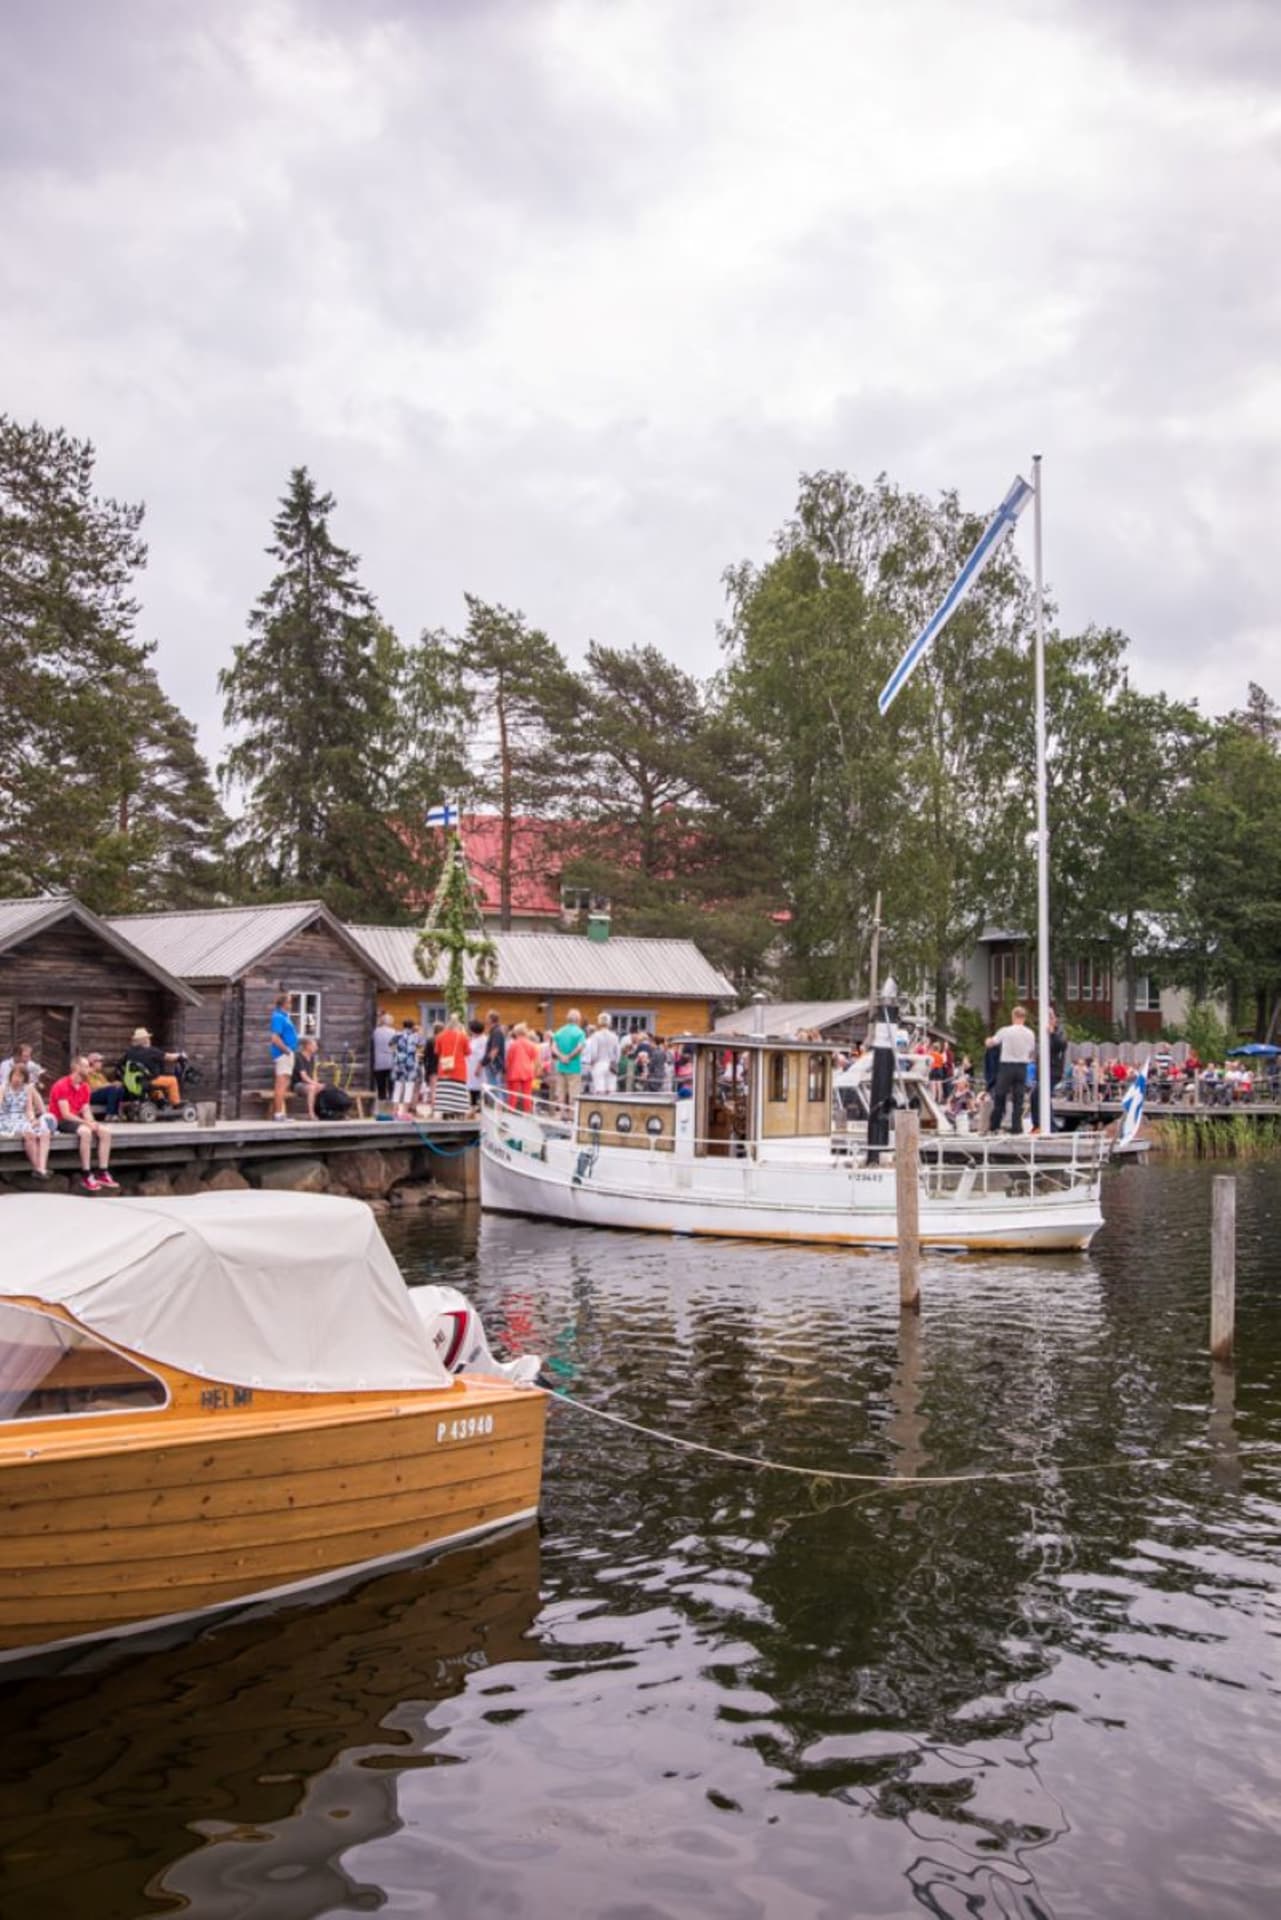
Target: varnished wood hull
{"points": [[164, 1517]]}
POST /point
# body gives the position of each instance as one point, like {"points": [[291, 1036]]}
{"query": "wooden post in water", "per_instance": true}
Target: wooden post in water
{"points": [[907, 1202], [1223, 1266]]}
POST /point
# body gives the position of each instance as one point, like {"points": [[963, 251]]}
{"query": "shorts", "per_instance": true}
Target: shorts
{"points": [[71, 1126], [283, 1063]]}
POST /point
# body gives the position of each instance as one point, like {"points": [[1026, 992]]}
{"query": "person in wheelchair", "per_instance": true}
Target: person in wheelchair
{"points": [[152, 1073]]}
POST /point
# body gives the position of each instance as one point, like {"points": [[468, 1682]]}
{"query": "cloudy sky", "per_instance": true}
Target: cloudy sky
{"points": [[559, 298]]}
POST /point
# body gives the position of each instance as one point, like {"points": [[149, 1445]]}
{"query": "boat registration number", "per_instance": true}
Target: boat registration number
{"points": [[475, 1423]]}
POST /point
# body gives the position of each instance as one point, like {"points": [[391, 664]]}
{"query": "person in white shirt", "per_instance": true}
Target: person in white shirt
{"points": [[600, 1056], [1018, 1049]]}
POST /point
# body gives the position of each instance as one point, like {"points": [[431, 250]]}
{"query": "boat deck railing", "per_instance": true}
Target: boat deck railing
{"points": [[953, 1166]]}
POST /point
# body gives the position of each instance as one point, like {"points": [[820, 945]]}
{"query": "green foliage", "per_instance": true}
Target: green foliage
{"points": [[917, 804], [523, 699], [455, 931], [665, 823], [1231, 897], [103, 790], [313, 699], [1206, 1033]]}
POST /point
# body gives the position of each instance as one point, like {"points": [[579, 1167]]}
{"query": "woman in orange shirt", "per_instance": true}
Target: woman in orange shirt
{"points": [[522, 1059], [452, 1050]]}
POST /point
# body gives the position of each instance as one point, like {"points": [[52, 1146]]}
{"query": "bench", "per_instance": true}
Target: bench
{"points": [[357, 1095]]}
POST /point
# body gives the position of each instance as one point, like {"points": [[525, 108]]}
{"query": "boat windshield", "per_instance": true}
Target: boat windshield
{"points": [[49, 1369]]}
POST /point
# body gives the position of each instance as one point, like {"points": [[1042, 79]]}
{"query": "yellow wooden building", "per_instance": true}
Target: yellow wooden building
{"points": [[656, 986]]}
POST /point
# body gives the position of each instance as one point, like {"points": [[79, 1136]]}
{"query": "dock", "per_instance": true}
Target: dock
{"points": [[394, 1161]]}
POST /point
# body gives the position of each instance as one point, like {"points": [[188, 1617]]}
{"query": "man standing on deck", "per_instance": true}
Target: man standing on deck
{"points": [[284, 1046], [1017, 1044], [567, 1053]]}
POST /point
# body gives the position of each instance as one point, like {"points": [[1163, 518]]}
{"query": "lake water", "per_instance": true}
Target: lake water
{"points": [[709, 1691]]}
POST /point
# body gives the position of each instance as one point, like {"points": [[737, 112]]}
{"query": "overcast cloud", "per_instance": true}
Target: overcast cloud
{"points": [[559, 299]]}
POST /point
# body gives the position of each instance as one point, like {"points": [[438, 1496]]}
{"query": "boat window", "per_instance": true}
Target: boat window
{"points": [[778, 1076], [49, 1369], [816, 1089]]}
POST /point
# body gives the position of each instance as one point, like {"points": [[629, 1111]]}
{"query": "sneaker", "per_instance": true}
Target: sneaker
{"points": [[90, 1183], [107, 1184], [38, 1173]]}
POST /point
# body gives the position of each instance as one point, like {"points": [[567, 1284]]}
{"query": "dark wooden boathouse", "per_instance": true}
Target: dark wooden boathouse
{"points": [[239, 959], [70, 982]]}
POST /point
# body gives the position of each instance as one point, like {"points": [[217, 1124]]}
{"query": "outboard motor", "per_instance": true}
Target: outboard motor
{"points": [[884, 1059], [457, 1336]]}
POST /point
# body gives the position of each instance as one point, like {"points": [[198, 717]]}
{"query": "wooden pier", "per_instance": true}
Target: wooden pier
{"points": [[376, 1160]]}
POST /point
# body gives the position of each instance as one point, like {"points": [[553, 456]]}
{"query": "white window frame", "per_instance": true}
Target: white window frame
{"points": [[1072, 983], [1147, 993], [429, 1013], [304, 1011]]}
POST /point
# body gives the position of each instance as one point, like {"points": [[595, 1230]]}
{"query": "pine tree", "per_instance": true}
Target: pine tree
{"points": [[524, 697], [102, 788], [312, 698]]}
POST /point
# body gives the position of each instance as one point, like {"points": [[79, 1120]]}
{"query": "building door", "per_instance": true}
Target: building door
{"points": [[51, 1032]]}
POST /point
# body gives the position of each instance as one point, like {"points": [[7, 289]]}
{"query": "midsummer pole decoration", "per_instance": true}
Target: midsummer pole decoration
{"points": [[455, 926]]}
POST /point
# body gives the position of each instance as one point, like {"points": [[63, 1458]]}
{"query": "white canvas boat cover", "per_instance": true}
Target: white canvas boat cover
{"points": [[292, 1291]]}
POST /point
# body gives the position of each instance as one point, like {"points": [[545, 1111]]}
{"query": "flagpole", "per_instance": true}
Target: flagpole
{"points": [[1042, 824]]}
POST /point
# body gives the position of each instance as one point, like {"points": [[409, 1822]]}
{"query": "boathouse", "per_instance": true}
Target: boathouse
{"points": [[70, 981], [655, 986], [239, 960]]}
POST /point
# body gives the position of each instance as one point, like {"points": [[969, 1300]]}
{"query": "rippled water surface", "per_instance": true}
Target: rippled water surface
{"points": [[710, 1691]]}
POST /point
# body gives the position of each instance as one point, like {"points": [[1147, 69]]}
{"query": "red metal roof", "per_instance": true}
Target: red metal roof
{"points": [[536, 864]]}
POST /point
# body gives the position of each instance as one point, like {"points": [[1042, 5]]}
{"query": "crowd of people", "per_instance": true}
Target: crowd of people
{"points": [[444, 1070]]}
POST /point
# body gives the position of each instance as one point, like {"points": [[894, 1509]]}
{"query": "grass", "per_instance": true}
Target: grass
{"points": [[1237, 1136]]}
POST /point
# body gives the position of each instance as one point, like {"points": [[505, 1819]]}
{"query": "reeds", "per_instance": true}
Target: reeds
{"points": [[1234, 1136]]}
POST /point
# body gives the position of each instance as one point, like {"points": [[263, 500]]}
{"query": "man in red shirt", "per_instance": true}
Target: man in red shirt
{"points": [[69, 1104]]}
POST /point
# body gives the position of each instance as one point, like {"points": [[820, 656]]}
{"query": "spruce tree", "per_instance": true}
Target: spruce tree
{"points": [[311, 700]]}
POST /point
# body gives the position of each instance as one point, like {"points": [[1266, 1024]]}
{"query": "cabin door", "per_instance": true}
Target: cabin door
{"points": [[51, 1031]]}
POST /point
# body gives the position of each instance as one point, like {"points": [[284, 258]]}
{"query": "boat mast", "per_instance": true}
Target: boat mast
{"points": [[1044, 1109]]}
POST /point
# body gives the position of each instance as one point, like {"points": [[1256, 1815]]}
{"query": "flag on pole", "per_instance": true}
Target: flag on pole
{"points": [[1132, 1107], [442, 816], [994, 536]]}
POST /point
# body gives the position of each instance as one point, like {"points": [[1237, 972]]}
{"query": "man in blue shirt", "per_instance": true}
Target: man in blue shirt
{"points": [[284, 1045]]}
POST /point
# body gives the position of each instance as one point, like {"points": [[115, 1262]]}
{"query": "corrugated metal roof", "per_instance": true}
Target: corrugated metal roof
{"points": [[221, 943], [566, 963], [215, 943], [19, 919], [791, 1016], [23, 919]]}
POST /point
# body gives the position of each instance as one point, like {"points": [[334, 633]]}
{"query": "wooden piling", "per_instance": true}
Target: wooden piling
{"points": [[907, 1201], [1223, 1266]]}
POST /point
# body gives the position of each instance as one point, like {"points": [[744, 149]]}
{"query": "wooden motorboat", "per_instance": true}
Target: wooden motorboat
{"points": [[751, 1153], [233, 1397]]}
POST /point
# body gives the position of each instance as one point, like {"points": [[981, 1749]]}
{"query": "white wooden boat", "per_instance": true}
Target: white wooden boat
{"points": [[229, 1398], [752, 1154]]}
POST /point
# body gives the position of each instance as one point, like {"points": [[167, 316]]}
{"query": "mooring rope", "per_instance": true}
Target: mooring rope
{"points": [[881, 1480], [442, 1153]]}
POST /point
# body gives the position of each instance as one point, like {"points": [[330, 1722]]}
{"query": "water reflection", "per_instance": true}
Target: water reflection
{"points": [[246, 1764], [747, 1694]]}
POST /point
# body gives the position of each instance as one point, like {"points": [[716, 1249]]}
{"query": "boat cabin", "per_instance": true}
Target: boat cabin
{"points": [[745, 1091]]}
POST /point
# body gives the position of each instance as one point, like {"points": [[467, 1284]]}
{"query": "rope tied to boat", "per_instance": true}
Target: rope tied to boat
{"points": [[882, 1482]]}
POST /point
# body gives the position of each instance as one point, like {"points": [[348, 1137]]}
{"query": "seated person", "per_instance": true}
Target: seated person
{"points": [[323, 1102], [69, 1099], [105, 1094], [154, 1061], [19, 1116]]}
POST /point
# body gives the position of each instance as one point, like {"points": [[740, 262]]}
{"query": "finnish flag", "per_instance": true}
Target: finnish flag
{"points": [[994, 535], [1132, 1106], [443, 816]]}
